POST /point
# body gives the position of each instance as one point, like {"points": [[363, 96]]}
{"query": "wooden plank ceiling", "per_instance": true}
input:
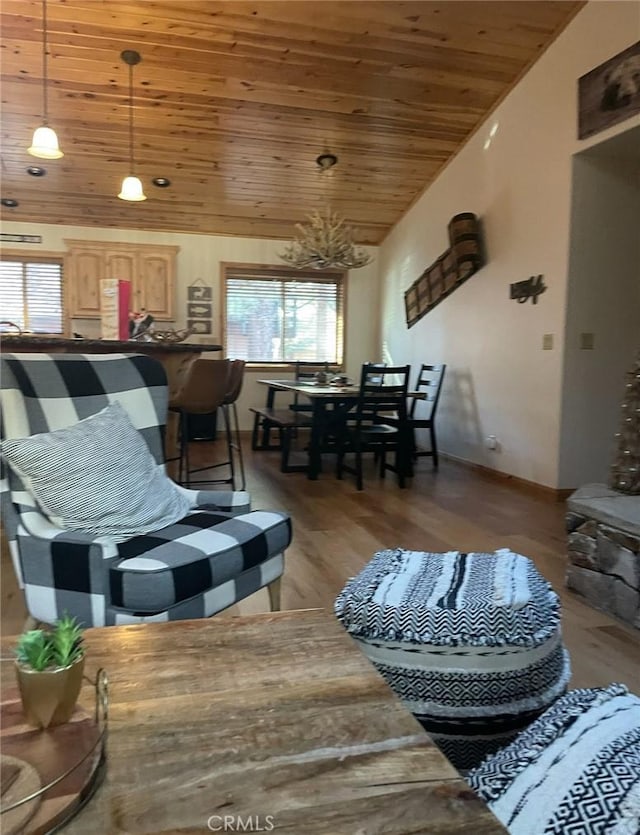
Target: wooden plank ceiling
{"points": [[233, 102]]}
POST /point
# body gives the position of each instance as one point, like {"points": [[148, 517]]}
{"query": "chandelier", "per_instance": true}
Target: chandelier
{"points": [[326, 240]]}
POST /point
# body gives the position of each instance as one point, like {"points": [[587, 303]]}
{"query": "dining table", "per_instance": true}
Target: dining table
{"points": [[325, 398]]}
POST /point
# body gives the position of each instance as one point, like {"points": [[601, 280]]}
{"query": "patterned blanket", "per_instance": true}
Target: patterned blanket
{"points": [[575, 770]]}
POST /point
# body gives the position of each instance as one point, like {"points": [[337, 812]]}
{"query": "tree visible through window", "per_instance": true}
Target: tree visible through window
{"points": [[280, 315], [31, 294]]}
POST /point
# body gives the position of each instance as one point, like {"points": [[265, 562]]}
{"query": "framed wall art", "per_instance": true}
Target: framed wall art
{"points": [[199, 307], [198, 310], [199, 326], [610, 93], [199, 292]]}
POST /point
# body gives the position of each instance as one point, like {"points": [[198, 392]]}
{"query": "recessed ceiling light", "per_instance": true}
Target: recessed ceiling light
{"points": [[161, 182], [36, 171], [9, 202]]}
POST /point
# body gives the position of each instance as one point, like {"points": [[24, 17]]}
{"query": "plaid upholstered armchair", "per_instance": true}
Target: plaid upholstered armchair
{"points": [[95, 527]]}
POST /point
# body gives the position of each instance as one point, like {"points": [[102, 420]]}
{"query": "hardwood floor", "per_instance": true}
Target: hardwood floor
{"points": [[337, 530]]}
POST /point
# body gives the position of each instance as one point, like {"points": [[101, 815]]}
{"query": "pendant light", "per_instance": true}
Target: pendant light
{"points": [[131, 186], [45, 142]]}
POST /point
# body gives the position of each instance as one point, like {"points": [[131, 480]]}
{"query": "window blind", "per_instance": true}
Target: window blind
{"points": [[31, 295], [275, 317]]}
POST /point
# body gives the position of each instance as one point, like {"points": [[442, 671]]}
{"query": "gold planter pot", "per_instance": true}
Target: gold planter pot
{"points": [[49, 697]]}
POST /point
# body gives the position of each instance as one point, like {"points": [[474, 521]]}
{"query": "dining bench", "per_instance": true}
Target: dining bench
{"points": [[287, 422]]}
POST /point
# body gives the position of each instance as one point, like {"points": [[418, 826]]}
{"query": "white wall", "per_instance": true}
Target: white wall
{"points": [[200, 257], [499, 380], [603, 299]]}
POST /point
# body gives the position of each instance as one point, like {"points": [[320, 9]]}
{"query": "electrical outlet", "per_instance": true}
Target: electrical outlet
{"points": [[491, 442], [587, 341], [547, 341]]}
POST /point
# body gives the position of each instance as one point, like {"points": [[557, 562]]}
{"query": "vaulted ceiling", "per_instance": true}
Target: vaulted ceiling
{"points": [[233, 102]]}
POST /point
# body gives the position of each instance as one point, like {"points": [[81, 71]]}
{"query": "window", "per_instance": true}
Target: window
{"points": [[280, 315], [31, 294]]}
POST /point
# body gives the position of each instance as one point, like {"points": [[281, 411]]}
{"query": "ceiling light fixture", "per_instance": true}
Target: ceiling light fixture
{"points": [[36, 171], [161, 182], [45, 142], [325, 241], [131, 186], [9, 202]]}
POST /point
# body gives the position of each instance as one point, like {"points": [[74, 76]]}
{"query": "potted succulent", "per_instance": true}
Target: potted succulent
{"points": [[49, 668]]}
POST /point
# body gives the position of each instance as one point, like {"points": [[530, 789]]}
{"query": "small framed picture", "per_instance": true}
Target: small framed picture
{"points": [[199, 325], [196, 310], [199, 293]]}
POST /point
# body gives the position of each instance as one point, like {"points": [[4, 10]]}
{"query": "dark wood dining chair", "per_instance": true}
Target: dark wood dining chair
{"points": [[422, 413], [373, 376], [306, 372], [383, 392]]}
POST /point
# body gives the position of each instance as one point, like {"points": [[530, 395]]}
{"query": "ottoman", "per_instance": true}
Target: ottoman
{"points": [[471, 643], [574, 771]]}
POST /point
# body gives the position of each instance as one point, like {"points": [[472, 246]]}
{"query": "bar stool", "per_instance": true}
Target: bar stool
{"points": [[205, 390], [230, 413]]}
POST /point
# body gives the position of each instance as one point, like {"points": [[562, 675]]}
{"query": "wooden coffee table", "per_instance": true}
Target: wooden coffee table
{"points": [[277, 721]]}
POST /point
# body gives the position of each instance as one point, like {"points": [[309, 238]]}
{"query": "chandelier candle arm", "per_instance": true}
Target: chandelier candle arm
{"points": [[45, 142]]}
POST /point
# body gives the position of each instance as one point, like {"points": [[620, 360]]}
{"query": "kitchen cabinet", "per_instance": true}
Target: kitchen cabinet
{"points": [[156, 283], [84, 267], [150, 269]]}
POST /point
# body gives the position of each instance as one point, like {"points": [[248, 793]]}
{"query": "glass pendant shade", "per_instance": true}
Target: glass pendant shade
{"points": [[45, 144], [132, 190]]}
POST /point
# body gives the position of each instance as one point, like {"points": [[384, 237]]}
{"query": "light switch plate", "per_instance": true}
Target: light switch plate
{"points": [[587, 341], [547, 341]]}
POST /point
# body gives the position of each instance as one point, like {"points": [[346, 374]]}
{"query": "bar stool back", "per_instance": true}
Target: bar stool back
{"points": [[204, 391]]}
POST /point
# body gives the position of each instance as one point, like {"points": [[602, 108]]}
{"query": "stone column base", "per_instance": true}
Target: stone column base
{"points": [[604, 550]]}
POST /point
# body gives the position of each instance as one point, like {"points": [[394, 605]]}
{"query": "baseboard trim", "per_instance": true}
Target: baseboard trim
{"points": [[554, 493]]}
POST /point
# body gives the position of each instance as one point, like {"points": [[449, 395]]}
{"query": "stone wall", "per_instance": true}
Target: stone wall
{"points": [[604, 550]]}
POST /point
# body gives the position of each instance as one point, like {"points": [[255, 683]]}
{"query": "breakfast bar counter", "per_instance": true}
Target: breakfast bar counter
{"points": [[176, 357], [57, 344]]}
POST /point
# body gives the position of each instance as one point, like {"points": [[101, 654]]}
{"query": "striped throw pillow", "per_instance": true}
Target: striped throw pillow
{"points": [[98, 476]]}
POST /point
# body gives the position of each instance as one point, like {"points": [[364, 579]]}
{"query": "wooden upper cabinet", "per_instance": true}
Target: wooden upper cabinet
{"points": [[120, 265], [156, 281], [150, 269], [84, 267]]}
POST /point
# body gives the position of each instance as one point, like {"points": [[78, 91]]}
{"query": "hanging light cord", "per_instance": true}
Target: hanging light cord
{"points": [[131, 119], [44, 61]]}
